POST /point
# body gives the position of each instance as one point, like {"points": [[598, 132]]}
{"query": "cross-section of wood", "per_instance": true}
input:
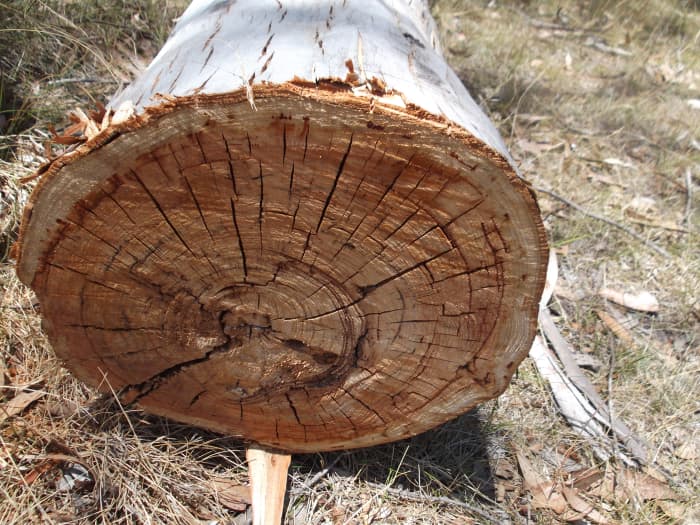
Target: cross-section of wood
{"points": [[327, 271]]}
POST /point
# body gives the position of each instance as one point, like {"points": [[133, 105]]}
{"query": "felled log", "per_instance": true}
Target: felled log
{"points": [[295, 227]]}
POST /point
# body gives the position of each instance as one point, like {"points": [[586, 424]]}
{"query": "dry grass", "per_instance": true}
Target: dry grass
{"points": [[593, 99]]}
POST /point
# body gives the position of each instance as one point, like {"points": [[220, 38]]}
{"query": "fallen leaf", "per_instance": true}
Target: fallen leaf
{"points": [[18, 403], [42, 468], [651, 221], [646, 487], [568, 61], [231, 494], [582, 479], [537, 148], [586, 510], [642, 302], [627, 484], [75, 475], [543, 494]]}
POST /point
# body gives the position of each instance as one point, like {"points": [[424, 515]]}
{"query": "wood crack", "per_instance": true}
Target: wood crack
{"points": [[240, 240], [335, 184], [163, 214]]}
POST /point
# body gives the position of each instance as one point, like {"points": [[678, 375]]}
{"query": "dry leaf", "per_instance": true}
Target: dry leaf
{"points": [[542, 491], [585, 509], [628, 484], [74, 472], [537, 148], [338, 515], [231, 494], [36, 472], [642, 302], [582, 479], [646, 487], [568, 61], [18, 403]]}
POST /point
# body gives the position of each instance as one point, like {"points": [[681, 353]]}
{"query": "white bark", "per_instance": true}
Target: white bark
{"points": [[219, 46]]}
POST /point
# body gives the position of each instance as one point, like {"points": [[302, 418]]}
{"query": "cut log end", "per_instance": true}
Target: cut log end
{"points": [[309, 276]]}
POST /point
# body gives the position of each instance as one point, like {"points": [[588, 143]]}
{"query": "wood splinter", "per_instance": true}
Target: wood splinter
{"points": [[268, 482]]}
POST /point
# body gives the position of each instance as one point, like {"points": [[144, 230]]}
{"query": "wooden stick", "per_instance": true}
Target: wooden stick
{"points": [[268, 480], [611, 222]]}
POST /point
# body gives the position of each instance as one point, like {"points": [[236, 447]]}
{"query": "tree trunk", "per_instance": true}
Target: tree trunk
{"points": [[307, 234]]}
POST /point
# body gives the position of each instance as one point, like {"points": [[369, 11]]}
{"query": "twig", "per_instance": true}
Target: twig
{"points": [[60, 81], [604, 48], [37, 502], [495, 516], [667, 227], [601, 218], [611, 369], [315, 479], [320, 474], [689, 197]]}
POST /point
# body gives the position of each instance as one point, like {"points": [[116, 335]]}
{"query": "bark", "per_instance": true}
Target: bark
{"points": [[312, 238]]}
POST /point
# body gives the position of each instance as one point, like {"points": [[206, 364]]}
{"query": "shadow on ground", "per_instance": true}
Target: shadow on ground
{"points": [[449, 461]]}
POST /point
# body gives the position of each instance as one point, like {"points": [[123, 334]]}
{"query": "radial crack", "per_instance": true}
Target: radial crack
{"points": [[341, 166]]}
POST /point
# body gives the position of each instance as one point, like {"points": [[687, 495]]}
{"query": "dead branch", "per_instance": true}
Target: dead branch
{"points": [[611, 222]]}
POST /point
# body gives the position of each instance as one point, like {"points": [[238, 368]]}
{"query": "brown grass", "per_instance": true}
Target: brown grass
{"points": [[592, 97]]}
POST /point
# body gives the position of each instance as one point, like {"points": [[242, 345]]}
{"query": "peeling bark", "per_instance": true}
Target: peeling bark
{"points": [[312, 239]]}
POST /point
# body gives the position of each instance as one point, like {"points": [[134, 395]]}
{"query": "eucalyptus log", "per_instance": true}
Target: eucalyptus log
{"points": [[295, 227]]}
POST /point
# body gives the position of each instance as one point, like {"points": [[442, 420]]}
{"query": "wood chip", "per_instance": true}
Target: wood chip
{"points": [[642, 301], [18, 403], [616, 328]]}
